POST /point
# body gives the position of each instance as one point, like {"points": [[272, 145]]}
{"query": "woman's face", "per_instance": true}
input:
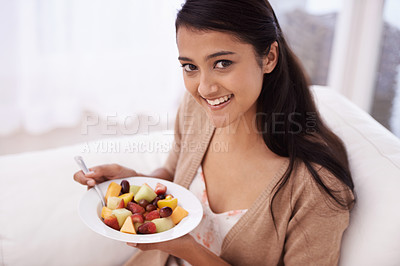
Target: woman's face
{"points": [[221, 73]]}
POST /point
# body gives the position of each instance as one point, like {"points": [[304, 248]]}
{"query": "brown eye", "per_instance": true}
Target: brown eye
{"points": [[223, 64], [189, 67]]}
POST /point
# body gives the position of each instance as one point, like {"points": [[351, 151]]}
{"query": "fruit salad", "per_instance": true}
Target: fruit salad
{"points": [[137, 209]]}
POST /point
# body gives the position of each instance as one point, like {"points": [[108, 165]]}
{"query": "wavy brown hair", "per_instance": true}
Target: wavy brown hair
{"points": [[285, 101]]}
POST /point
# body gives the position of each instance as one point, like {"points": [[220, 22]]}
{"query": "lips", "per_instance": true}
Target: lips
{"points": [[219, 101]]}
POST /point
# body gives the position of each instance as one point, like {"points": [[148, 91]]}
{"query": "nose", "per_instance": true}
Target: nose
{"points": [[207, 86]]}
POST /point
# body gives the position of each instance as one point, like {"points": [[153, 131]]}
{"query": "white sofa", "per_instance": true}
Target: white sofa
{"points": [[39, 222]]}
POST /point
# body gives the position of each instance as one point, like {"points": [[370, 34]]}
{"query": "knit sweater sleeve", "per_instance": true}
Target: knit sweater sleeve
{"points": [[173, 156], [317, 225]]}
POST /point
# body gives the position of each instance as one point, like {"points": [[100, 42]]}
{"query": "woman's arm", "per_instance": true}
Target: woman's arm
{"points": [[314, 233], [106, 172], [162, 173], [185, 248]]}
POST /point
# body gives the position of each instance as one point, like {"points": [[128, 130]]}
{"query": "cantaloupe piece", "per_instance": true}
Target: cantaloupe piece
{"points": [[106, 212], [113, 190], [178, 214], [128, 226], [122, 215]]}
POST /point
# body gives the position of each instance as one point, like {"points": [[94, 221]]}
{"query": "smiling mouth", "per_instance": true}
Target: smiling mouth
{"points": [[219, 101]]}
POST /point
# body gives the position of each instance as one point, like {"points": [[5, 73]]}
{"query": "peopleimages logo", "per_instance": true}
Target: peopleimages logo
{"points": [[108, 146], [277, 123], [115, 124]]}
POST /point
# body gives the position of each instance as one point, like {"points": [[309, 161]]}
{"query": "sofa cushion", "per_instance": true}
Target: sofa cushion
{"points": [[373, 237], [39, 222]]}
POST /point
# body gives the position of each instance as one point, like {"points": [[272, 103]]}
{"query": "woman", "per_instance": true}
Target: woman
{"points": [[282, 188]]}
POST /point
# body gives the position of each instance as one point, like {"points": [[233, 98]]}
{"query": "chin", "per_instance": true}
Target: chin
{"points": [[219, 121]]}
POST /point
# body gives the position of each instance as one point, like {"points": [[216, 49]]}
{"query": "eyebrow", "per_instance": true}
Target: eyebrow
{"points": [[182, 58]]}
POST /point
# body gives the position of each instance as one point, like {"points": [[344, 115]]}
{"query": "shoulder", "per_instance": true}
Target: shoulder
{"points": [[316, 224], [315, 191]]}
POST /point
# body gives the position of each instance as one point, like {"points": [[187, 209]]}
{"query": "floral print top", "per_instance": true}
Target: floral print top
{"points": [[214, 226]]}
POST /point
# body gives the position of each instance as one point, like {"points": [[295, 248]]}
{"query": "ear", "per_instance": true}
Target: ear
{"points": [[271, 59]]}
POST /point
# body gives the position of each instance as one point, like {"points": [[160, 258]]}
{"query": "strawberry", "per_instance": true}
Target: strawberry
{"points": [[135, 208], [147, 228], [152, 215], [137, 218], [160, 189]]}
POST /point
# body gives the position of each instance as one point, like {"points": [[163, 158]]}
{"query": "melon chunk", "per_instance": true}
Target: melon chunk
{"points": [[178, 214], [145, 192], [113, 190], [121, 215], [134, 189], [105, 212], [115, 203], [163, 224], [128, 226]]}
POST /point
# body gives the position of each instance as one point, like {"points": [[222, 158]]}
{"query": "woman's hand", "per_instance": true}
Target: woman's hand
{"points": [[103, 173], [175, 247], [185, 247]]}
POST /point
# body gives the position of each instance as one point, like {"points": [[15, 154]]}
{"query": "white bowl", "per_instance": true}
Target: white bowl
{"points": [[90, 212]]}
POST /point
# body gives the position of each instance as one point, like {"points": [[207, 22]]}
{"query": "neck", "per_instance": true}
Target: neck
{"points": [[242, 134]]}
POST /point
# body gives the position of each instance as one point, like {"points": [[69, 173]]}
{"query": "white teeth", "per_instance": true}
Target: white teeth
{"points": [[219, 100]]}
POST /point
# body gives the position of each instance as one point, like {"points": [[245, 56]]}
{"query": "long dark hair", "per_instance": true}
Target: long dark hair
{"points": [[290, 123]]}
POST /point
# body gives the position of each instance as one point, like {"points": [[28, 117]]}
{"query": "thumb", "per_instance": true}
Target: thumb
{"points": [[90, 182], [91, 173]]}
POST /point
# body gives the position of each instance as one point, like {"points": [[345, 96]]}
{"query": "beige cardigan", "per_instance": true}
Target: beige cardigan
{"points": [[309, 227]]}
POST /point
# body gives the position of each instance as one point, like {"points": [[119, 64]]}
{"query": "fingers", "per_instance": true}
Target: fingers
{"points": [[103, 173], [144, 247], [80, 177], [109, 170], [97, 174]]}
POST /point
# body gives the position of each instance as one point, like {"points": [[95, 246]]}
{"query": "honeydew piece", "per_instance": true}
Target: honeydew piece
{"points": [[121, 215], [105, 212], [127, 197], [113, 190], [115, 203], [134, 189], [172, 203], [128, 226], [163, 224], [145, 192], [178, 214]]}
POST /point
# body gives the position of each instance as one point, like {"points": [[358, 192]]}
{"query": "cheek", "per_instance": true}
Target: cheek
{"points": [[248, 85], [191, 86]]}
